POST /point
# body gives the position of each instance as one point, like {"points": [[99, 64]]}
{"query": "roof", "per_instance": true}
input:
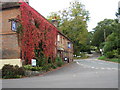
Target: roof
{"points": [[8, 5], [65, 36]]}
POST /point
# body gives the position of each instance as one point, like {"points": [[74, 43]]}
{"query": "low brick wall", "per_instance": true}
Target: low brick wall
{"points": [[11, 62]]}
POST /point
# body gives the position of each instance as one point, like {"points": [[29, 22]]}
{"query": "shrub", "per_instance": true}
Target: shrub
{"points": [[29, 67], [53, 66], [10, 71], [46, 67], [41, 61], [102, 58], [109, 54], [115, 53], [59, 62]]}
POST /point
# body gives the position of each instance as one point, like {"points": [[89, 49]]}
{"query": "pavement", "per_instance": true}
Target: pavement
{"points": [[82, 73]]}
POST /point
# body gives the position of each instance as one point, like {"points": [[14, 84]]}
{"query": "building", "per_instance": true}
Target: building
{"points": [[12, 52], [64, 47]]}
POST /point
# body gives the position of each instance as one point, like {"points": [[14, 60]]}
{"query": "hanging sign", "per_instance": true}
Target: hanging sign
{"points": [[14, 28]]}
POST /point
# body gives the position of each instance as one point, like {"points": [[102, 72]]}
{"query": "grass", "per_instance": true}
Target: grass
{"points": [[109, 59]]}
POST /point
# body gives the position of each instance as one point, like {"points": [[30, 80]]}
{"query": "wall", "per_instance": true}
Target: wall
{"points": [[10, 50], [62, 45]]}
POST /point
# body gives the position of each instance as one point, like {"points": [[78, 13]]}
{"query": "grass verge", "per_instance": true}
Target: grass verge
{"points": [[109, 59]]}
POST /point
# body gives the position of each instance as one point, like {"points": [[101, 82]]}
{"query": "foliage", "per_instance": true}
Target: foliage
{"points": [[111, 46], [10, 71], [39, 55], [102, 57], [53, 66], [106, 37], [109, 59], [29, 67], [36, 30], [102, 30], [109, 54], [73, 23], [46, 67], [59, 62]]}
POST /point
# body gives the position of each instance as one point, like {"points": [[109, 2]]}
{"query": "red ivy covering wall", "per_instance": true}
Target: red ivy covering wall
{"points": [[36, 29]]}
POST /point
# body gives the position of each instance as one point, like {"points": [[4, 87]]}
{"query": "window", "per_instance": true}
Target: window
{"points": [[58, 37]]}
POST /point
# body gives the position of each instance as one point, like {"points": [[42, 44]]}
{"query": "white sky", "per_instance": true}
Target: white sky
{"points": [[98, 9]]}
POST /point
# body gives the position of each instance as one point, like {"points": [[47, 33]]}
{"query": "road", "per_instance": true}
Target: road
{"points": [[87, 73]]}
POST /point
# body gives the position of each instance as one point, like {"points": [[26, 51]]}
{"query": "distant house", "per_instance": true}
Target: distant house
{"points": [[64, 47], [11, 51]]}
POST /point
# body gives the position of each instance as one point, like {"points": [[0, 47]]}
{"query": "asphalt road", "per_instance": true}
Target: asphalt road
{"points": [[88, 73]]}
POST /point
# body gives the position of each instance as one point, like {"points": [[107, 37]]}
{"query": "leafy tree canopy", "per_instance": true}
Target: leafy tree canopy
{"points": [[102, 30], [73, 23]]}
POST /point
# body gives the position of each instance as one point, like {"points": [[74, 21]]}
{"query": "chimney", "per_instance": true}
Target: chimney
{"points": [[55, 21]]}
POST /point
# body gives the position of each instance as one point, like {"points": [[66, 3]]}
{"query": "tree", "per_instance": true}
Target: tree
{"points": [[74, 26], [102, 30], [106, 37], [73, 23], [112, 44]]}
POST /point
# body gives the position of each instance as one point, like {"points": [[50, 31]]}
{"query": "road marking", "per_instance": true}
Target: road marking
{"points": [[109, 68], [74, 75], [102, 68], [96, 67], [114, 68]]}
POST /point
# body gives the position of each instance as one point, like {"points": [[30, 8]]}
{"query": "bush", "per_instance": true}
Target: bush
{"points": [[46, 67], [59, 62], [29, 67], [10, 71], [53, 66], [109, 54], [102, 58], [41, 61], [115, 53]]}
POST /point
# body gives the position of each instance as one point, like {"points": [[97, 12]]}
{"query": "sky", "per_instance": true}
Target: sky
{"points": [[98, 9]]}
